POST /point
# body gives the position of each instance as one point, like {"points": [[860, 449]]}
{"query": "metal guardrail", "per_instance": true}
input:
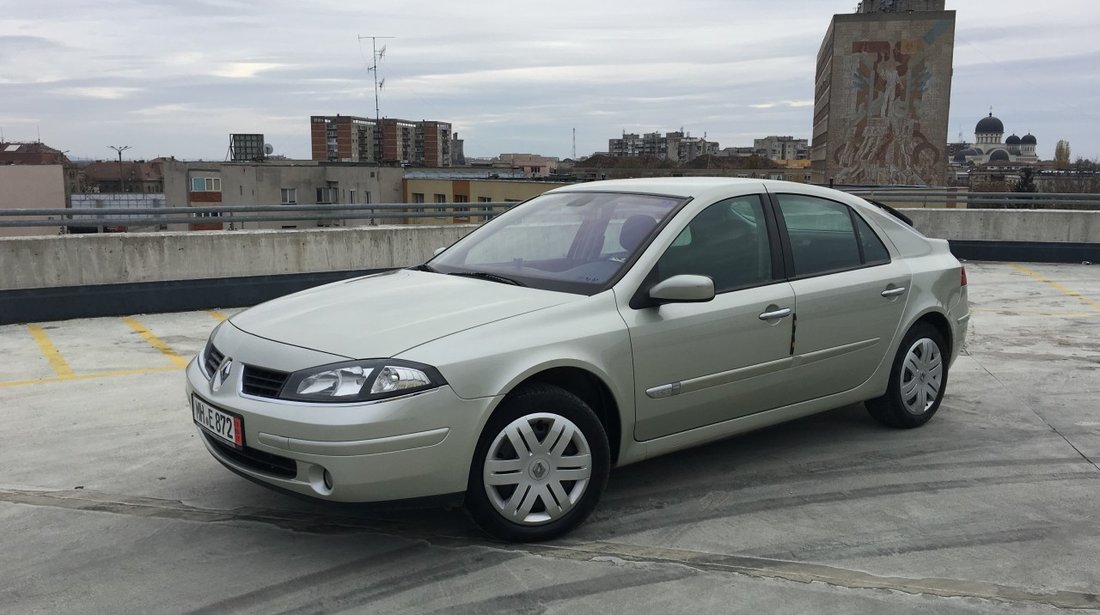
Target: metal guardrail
{"points": [[237, 214], [99, 217], [980, 200]]}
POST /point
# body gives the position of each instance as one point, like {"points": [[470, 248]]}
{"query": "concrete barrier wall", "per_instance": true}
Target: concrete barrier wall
{"points": [[84, 260], [1000, 225], [89, 260]]}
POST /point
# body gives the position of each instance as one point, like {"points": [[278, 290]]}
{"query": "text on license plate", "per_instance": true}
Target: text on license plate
{"points": [[221, 424]]}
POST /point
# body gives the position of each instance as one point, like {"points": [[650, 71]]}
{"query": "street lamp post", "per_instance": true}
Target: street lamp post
{"points": [[120, 149]]}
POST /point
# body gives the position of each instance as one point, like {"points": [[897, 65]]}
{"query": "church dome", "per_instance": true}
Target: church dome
{"points": [[1028, 139], [999, 155], [989, 125], [963, 153], [1012, 140]]}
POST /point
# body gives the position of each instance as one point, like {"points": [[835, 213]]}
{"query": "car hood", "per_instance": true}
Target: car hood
{"points": [[385, 314]]}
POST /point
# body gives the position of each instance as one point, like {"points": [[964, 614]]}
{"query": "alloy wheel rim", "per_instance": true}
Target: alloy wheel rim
{"points": [[921, 376], [537, 469]]}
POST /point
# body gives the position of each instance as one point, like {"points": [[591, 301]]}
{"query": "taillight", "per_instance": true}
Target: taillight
{"points": [[962, 273]]}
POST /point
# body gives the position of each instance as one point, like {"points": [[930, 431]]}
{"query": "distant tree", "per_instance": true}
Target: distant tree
{"points": [[1026, 183], [1061, 154]]}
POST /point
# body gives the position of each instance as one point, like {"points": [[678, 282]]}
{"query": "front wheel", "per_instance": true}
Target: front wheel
{"points": [[918, 380], [539, 467]]}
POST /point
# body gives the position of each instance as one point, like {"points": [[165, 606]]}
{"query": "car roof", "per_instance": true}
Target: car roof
{"points": [[710, 188], [671, 186]]}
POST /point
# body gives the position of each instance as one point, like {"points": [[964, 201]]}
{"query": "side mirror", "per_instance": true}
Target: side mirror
{"points": [[683, 289], [438, 251]]}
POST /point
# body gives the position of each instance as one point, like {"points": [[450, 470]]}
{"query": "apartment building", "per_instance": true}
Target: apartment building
{"points": [[782, 148], [290, 182], [391, 141], [674, 146]]}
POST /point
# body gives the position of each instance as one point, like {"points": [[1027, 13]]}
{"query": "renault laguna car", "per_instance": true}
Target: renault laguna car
{"points": [[591, 327]]}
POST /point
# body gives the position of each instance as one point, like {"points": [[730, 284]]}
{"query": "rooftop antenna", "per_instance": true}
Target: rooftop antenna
{"points": [[575, 143], [376, 55]]}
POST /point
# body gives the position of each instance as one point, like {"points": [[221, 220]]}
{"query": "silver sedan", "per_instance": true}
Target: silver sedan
{"points": [[594, 326]]}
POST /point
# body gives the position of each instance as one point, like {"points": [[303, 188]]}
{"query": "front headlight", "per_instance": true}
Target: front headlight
{"points": [[360, 381]]}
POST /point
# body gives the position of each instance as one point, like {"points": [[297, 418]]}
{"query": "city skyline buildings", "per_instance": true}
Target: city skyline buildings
{"points": [[746, 71]]}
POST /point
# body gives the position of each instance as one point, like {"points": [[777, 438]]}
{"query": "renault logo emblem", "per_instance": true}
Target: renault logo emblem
{"points": [[538, 470], [222, 374]]}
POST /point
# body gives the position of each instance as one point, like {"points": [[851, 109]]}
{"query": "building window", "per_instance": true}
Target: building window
{"points": [[440, 198], [418, 197], [462, 198], [484, 199], [351, 196], [289, 195], [328, 195], [206, 184], [208, 214]]}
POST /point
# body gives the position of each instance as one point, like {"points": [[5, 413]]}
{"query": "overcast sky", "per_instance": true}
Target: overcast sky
{"points": [[175, 78]]}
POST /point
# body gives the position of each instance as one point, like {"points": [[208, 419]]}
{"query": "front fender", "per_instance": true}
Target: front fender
{"points": [[493, 359]]}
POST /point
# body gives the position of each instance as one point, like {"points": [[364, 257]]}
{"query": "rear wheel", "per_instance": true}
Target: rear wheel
{"points": [[540, 466], [918, 380]]}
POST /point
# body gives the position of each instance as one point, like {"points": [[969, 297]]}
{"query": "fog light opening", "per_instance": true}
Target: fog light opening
{"points": [[326, 478]]}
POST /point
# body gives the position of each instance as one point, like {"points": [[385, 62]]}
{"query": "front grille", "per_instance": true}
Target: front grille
{"points": [[212, 358], [253, 459], [263, 382]]}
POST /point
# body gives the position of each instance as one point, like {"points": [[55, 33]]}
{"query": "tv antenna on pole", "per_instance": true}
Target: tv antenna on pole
{"points": [[376, 55]]}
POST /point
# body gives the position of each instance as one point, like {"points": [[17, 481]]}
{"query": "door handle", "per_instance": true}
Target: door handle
{"points": [[780, 313], [893, 292]]}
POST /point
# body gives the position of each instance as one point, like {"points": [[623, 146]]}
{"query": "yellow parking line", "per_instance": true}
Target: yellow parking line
{"points": [[52, 354], [121, 372], [155, 342], [1068, 291], [216, 315]]}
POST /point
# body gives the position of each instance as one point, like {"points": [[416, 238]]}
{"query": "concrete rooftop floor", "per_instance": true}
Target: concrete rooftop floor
{"points": [[110, 503]]}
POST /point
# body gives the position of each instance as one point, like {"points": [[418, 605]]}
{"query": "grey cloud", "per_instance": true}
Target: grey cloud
{"points": [[508, 78]]}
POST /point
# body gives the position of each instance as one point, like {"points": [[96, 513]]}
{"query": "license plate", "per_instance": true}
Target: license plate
{"points": [[217, 422]]}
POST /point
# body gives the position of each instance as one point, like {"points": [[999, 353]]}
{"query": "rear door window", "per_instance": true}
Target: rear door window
{"points": [[821, 234]]}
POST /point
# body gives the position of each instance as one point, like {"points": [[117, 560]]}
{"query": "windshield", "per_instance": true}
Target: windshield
{"points": [[570, 241]]}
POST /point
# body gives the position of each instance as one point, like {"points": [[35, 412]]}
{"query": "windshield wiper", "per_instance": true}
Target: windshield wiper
{"points": [[483, 275], [423, 267]]}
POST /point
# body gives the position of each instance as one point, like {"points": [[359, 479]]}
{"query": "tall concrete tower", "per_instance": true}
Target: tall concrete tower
{"points": [[882, 95]]}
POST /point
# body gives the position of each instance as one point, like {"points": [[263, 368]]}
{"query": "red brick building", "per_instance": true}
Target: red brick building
{"points": [[347, 138], [31, 153]]}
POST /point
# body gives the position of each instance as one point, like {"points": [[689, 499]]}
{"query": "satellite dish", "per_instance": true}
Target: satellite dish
{"points": [[268, 149]]}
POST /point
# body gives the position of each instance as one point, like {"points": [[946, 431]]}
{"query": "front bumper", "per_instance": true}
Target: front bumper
{"points": [[414, 446]]}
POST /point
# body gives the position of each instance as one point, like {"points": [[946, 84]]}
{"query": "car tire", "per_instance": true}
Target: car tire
{"points": [[527, 492], [918, 380]]}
